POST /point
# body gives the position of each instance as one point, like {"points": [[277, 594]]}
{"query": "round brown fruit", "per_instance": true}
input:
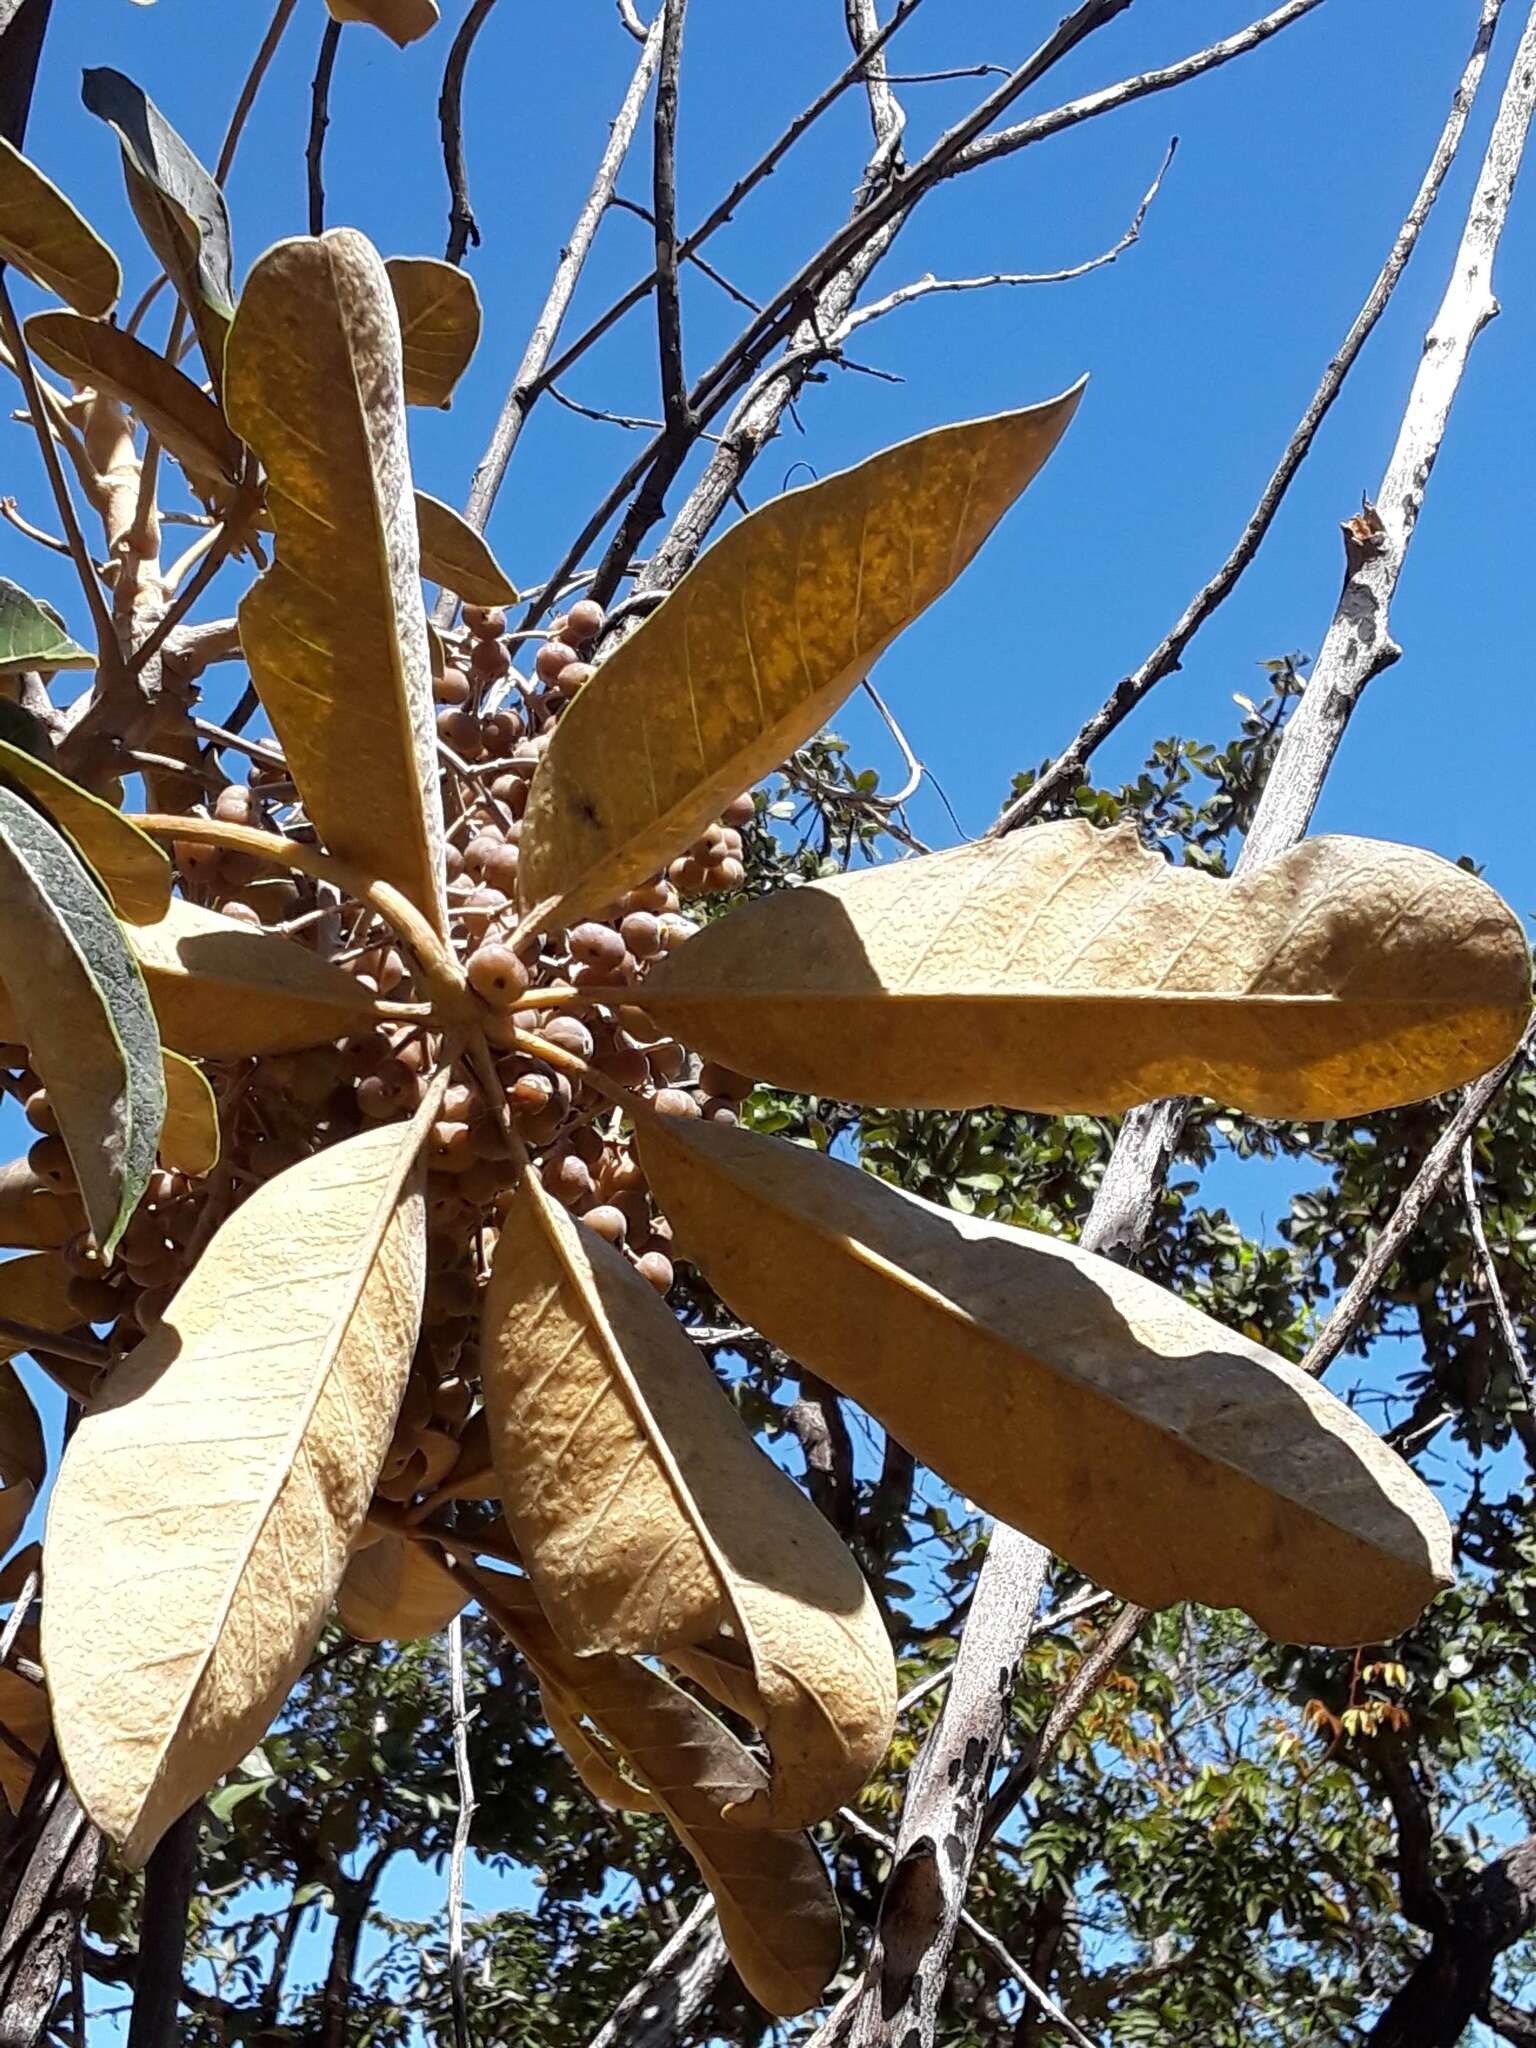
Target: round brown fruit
{"points": [[584, 620], [597, 945], [607, 1221], [498, 976], [486, 622], [657, 1268], [49, 1160], [553, 656], [674, 1102]]}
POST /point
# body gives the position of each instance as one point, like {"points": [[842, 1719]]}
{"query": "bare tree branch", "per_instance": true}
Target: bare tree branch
{"points": [[319, 121], [1166, 656], [945, 1808], [659, 2007], [463, 229], [492, 466], [463, 1821], [669, 308], [282, 14], [925, 287]]}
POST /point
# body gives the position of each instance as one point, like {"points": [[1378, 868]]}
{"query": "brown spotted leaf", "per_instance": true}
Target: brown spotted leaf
{"points": [[1162, 1454], [650, 1522], [1067, 969], [756, 648]]}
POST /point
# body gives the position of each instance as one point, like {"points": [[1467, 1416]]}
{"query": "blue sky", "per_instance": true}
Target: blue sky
{"points": [[1203, 343]]}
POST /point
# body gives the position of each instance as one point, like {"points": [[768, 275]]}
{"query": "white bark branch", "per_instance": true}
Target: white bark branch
{"points": [[946, 1800]]}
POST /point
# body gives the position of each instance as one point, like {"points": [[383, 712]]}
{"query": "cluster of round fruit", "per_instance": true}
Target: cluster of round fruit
{"points": [[566, 1024]]}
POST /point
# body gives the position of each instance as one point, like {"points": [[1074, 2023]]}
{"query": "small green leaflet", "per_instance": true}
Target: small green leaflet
{"points": [[176, 203], [84, 1013], [32, 635]]}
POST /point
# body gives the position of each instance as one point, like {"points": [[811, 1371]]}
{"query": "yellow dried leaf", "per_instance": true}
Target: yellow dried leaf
{"points": [[189, 1137], [598, 1765], [33, 1290], [25, 1725], [1067, 969], [1165, 1456], [439, 313], [401, 20], [33, 1215], [108, 359], [453, 554], [778, 1912], [223, 990], [16, 1503], [134, 871], [41, 233], [755, 649], [206, 1506], [334, 631], [396, 1590], [651, 1523]]}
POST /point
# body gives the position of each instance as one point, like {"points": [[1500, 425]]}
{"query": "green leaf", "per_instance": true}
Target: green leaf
{"points": [[43, 235], [131, 868], [32, 635], [176, 203], [84, 1012]]}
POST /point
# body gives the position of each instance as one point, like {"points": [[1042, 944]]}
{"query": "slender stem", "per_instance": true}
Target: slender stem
{"points": [[168, 1881], [90, 583], [463, 229], [1169, 652], [83, 1350], [509, 425], [669, 311], [442, 970], [319, 121], [461, 1828], [282, 15]]}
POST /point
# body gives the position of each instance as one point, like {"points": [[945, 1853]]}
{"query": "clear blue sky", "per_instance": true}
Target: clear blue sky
{"points": [[1204, 342]]}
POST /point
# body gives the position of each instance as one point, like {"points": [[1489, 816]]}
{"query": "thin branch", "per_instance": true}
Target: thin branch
{"points": [[1110, 98], [1506, 1322], [720, 214], [909, 1964], [461, 1828], [463, 228], [985, 1936], [1165, 658], [705, 269], [1420, 1194], [675, 410], [319, 121], [10, 512], [509, 425], [925, 287], [21, 362], [631, 20], [169, 1877], [679, 1979], [27, 1337], [282, 15]]}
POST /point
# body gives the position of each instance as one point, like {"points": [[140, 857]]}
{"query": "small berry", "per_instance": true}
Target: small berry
{"points": [[657, 1268], [584, 621], [497, 975], [674, 1102], [608, 1222]]}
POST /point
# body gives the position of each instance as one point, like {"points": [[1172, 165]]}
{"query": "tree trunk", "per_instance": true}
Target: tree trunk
{"points": [[354, 1895], [1452, 1982]]}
